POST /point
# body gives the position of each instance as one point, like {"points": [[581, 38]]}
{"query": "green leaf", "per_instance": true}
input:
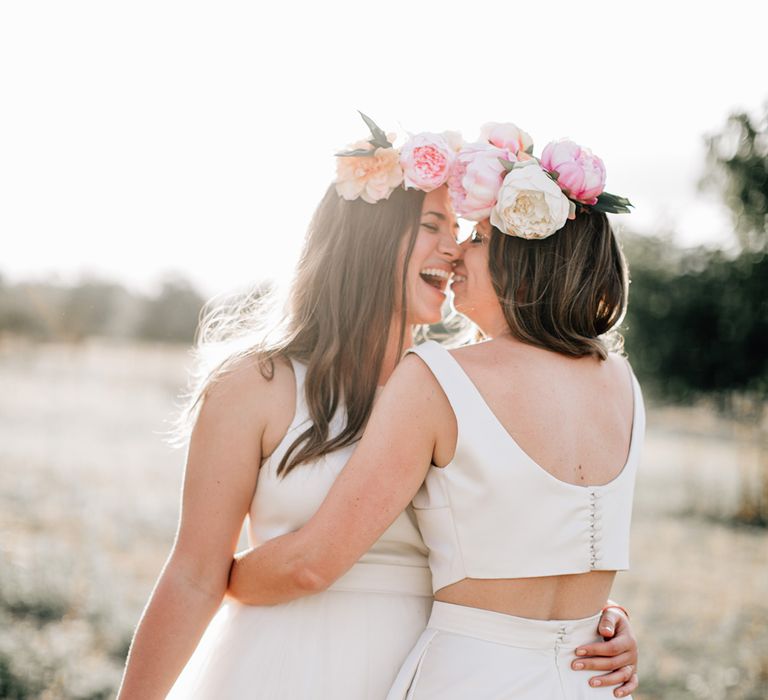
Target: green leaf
{"points": [[553, 174], [612, 204], [529, 150], [365, 152], [379, 139], [508, 164]]}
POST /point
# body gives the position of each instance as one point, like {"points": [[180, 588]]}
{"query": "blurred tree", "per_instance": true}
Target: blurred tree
{"points": [[698, 320], [737, 167], [89, 309], [171, 316]]}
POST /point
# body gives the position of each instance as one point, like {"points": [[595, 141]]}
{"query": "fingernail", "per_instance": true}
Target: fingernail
{"points": [[608, 628], [578, 666], [595, 682], [619, 693], [581, 652]]}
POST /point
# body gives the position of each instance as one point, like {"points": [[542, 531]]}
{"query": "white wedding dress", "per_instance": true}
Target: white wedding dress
{"points": [[346, 643]]}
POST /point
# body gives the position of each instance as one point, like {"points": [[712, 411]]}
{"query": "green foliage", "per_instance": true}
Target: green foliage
{"points": [[14, 686], [173, 314], [737, 168], [697, 320]]}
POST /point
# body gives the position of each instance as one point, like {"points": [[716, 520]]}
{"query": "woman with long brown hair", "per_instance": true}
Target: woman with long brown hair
{"points": [[273, 426]]}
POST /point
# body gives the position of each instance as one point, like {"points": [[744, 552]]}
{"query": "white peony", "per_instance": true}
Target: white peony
{"points": [[530, 203]]}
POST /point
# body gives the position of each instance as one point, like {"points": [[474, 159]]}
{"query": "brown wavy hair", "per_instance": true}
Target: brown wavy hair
{"points": [[344, 296], [567, 292]]}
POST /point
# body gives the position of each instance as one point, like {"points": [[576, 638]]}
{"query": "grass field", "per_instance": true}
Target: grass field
{"points": [[89, 497]]}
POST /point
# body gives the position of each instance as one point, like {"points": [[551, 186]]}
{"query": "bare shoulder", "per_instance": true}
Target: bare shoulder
{"points": [[413, 378], [413, 389], [246, 400], [241, 385], [475, 352], [492, 354], [415, 394]]}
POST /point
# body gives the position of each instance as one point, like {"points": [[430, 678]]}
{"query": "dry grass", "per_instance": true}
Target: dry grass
{"points": [[89, 495]]}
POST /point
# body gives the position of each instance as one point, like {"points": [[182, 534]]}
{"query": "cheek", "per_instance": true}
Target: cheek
{"points": [[423, 248]]}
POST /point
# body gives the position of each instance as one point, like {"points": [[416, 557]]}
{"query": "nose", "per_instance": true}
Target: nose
{"points": [[450, 248]]}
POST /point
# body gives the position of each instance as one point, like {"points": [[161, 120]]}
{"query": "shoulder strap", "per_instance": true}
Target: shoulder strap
{"points": [[458, 387]]}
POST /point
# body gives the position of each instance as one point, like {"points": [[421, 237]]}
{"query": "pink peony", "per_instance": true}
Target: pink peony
{"points": [[426, 160], [507, 136], [371, 178], [581, 174], [476, 178]]}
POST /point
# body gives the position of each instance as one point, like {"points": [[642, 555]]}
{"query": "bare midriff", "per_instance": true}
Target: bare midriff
{"points": [[567, 597]]}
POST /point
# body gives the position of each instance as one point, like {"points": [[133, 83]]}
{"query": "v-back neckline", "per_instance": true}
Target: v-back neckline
{"points": [[527, 457]]}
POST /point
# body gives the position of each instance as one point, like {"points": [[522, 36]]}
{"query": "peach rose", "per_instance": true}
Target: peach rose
{"points": [[580, 173], [372, 178]]}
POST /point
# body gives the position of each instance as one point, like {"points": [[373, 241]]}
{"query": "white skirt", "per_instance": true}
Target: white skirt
{"points": [[472, 653], [346, 643]]}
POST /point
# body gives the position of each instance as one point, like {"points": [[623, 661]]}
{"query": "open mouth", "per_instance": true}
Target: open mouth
{"points": [[435, 277]]}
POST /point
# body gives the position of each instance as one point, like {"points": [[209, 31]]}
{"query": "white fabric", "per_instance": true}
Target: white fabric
{"points": [[346, 643], [471, 653], [494, 513]]}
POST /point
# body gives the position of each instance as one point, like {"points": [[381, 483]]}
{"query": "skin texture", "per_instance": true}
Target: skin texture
{"points": [[413, 427]]}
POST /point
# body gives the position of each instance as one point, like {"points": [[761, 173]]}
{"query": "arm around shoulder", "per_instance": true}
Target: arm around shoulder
{"points": [[380, 479]]}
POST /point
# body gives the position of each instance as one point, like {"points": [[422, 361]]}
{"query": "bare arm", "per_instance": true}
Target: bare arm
{"points": [[380, 479], [219, 479]]}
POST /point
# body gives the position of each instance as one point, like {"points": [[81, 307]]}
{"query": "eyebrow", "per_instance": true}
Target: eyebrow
{"points": [[440, 216]]}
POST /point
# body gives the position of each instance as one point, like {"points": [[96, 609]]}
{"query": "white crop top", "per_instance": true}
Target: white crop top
{"points": [[493, 512], [396, 563]]}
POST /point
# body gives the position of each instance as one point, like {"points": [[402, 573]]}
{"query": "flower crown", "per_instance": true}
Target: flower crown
{"points": [[373, 169], [496, 177], [527, 197]]}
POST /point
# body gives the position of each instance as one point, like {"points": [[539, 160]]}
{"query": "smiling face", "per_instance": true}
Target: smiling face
{"points": [[473, 293], [434, 253]]}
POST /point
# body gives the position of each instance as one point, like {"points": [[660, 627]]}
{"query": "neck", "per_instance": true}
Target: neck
{"points": [[391, 354], [493, 326]]}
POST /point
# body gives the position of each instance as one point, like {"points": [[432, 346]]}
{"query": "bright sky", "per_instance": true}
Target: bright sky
{"points": [[145, 137]]}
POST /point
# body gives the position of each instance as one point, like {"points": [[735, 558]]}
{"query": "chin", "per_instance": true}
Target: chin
{"points": [[425, 316]]}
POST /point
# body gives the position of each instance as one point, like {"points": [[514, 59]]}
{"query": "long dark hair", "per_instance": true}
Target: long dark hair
{"points": [[344, 296]]}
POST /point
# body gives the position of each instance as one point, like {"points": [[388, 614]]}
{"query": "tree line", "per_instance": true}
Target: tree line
{"points": [[45, 311]]}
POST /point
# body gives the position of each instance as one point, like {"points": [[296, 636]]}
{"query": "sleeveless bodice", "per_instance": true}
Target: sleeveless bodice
{"points": [[396, 562], [493, 512]]}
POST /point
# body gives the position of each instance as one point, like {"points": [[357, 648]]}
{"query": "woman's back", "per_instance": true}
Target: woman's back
{"points": [[549, 438], [572, 416]]}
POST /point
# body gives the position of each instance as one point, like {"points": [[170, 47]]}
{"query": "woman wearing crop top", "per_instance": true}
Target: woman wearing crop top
{"points": [[519, 453], [274, 411]]}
